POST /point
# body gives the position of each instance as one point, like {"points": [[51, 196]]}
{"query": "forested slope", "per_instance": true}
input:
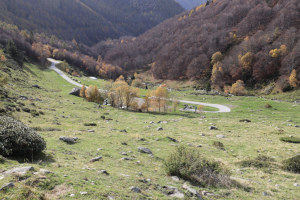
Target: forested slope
{"points": [[87, 21], [258, 41]]}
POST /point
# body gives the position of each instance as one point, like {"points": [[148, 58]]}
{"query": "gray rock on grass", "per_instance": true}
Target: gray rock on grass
{"points": [[144, 150]]}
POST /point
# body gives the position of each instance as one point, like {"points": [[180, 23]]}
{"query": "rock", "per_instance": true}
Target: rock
{"points": [[192, 192], [297, 126], [205, 193], [172, 192], [36, 86], [19, 170], [220, 136], [124, 143], [7, 186], [265, 194], [159, 129], [124, 153], [123, 131], [213, 128], [135, 189], [200, 145], [126, 158], [83, 193], [152, 122], [45, 171], [144, 150], [202, 134], [172, 139], [23, 98], [75, 92], [175, 178], [72, 195], [96, 159], [245, 120], [68, 140], [91, 131], [104, 172], [102, 117], [296, 185], [26, 110]]}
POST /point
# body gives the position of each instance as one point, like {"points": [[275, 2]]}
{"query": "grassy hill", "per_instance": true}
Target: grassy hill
{"points": [[87, 21], [73, 173]]}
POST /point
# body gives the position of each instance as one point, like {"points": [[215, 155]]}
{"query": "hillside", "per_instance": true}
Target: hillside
{"points": [[189, 4], [258, 42], [87, 21]]}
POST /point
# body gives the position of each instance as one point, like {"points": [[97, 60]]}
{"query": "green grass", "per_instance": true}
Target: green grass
{"points": [[70, 163]]}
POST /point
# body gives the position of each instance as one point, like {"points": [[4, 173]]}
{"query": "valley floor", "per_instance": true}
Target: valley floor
{"points": [[73, 173]]}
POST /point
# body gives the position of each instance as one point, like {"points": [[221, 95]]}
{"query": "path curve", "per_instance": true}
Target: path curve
{"points": [[222, 108]]}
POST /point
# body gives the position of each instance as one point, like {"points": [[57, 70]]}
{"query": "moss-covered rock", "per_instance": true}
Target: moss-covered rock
{"points": [[16, 139]]}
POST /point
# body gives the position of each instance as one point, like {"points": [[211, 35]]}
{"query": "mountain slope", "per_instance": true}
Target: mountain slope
{"points": [[88, 21], [189, 4], [182, 47]]}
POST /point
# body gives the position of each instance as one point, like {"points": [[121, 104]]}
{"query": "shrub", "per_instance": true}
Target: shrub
{"points": [[219, 145], [137, 83], [268, 106], [259, 162], [190, 165], [292, 164], [290, 139], [18, 139]]}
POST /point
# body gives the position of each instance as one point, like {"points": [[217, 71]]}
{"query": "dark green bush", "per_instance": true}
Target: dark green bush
{"points": [[290, 139], [16, 139], [292, 164], [190, 165], [259, 162]]}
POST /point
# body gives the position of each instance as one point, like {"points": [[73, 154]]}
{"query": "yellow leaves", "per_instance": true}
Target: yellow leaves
{"points": [[293, 79], [82, 91], [92, 94], [246, 60], [2, 56], [191, 12], [238, 88], [274, 53], [216, 57], [121, 78], [199, 7]]}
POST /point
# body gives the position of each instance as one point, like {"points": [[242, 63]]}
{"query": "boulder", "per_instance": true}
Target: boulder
{"points": [[144, 150], [75, 92], [245, 120], [172, 139], [68, 140], [19, 170], [96, 159], [135, 189], [213, 128], [7, 186]]}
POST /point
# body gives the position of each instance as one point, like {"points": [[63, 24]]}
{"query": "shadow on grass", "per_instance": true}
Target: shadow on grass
{"points": [[41, 159]]}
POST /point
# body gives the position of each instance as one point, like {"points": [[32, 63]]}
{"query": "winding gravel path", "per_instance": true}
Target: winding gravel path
{"points": [[222, 108]]}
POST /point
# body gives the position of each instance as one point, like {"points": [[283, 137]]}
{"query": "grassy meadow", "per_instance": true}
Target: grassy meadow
{"points": [[74, 173]]}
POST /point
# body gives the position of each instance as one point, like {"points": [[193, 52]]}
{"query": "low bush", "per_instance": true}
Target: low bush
{"points": [[258, 162], [292, 164], [290, 139], [16, 139], [190, 165], [219, 145]]}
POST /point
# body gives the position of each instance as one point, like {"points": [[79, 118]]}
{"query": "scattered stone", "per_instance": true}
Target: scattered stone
{"points": [[75, 92], [245, 120], [7, 186], [124, 143], [142, 139], [135, 189], [192, 192], [159, 129], [96, 159], [19, 170], [297, 126], [144, 150], [296, 185], [36, 86], [99, 149], [205, 193], [90, 124], [213, 128], [45, 171], [126, 158], [72, 195], [265, 194], [175, 178], [172, 192], [202, 134], [220, 136], [91, 131], [172, 139], [152, 122], [104, 172], [200, 145], [68, 140], [83, 193], [26, 110], [124, 153], [123, 131]]}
